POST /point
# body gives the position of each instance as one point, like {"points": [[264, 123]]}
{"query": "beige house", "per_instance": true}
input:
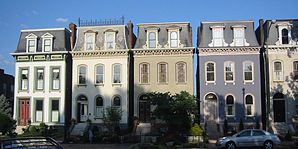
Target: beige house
{"points": [[163, 62]]}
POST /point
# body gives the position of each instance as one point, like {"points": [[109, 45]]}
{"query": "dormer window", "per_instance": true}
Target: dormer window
{"points": [[152, 40], [89, 41], [110, 40], [285, 37], [31, 43], [152, 37], [47, 42], [284, 33], [239, 36], [217, 36], [173, 36]]}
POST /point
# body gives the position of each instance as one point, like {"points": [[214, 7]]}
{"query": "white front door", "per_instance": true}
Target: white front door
{"points": [[83, 112], [210, 110]]}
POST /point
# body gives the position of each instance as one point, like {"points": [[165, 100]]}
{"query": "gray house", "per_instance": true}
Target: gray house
{"points": [[229, 74]]}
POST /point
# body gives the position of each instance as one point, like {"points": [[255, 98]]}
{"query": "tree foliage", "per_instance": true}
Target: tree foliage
{"points": [[176, 110], [5, 106], [7, 124], [111, 118]]}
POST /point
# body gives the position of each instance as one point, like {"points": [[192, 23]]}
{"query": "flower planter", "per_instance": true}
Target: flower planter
{"points": [[195, 139]]}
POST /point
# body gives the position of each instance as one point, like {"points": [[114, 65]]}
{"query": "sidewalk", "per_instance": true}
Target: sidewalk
{"points": [[96, 146]]}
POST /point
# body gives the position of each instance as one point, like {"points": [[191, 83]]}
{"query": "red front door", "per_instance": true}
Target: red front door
{"points": [[24, 111]]}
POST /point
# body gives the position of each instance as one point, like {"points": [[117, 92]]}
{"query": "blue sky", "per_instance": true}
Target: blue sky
{"points": [[16, 15]]}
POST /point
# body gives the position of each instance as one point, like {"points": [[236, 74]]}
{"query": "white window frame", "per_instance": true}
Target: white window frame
{"points": [[37, 119], [31, 37], [206, 72], [252, 105], [100, 108], [55, 111], [55, 81], [40, 83], [226, 105], [47, 36], [106, 40], [149, 30], [85, 75], [146, 73], [120, 73], [96, 74], [293, 69], [170, 30], [252, 72], [236, 39], [158, 73], [232, 70], [275, 77], [213, 42], [86, 42], [24, 82], [185, 72], [282, 26]]}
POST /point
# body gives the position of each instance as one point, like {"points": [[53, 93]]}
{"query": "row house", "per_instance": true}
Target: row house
{"points": [[229, 84], [279, 40], [162, 62], [100, 62], [42, 84]]}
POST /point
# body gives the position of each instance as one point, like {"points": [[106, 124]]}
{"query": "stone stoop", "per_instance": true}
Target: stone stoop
{"points": [[19, 129], [143, 128], [212, 130], [280, 128], [78, 129]]}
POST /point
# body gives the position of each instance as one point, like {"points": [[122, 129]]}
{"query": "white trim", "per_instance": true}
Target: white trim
{"points": [[140, 73], [253, 112], [221, 38], [114, 40], [226, 106], [178, 37], [47, 36], [93, 42], [101, 107], [158, 73], [232, 70], [282, 71], [44, 29], [31, 37], [216, 106], [240, 28], [252, 71], [103, 74], [280, 27], [295, 60], [113, 73], [214, 72], [78, 77]]}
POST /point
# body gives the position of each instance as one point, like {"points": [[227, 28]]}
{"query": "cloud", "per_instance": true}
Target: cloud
{"points": [[34, 12], [62, 20]]}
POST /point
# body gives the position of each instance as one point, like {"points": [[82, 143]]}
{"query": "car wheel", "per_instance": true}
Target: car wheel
{"points": [[268, 145], [230, 145]]}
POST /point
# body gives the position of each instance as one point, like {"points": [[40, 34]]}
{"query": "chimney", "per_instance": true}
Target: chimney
{"points": [[130, 34], [199, 36], [261, 33], [73, 29], [190, 34]]}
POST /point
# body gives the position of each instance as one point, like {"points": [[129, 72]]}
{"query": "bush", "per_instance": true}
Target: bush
{"points": [[196, 130], [7, 124]]}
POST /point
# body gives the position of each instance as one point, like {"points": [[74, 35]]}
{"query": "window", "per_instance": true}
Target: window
{"points": [[210, 71], [277, 71], [152, 40], [230, 107], [82, 75], [31, 46], [295, 70], [38, 110], [217, 36], [144, 73], [90, 39], [40, 79], [239, 36], [245, 133], [116, 101], [110, 38], [47, 40], [31, 43], [55, 111], [24, 79], [99, 107], [174, 39], [258, 133], [56, 78], [99, 74], [181, 72], [47, 45], [162, 72], [229, 71], [116, 73], [285, 38], [248, 105], [248, 71]]}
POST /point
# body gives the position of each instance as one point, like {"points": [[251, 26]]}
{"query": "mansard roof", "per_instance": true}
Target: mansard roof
{"points": [[162, 28], [61, 39], [122, 36], [273, 32], [206, 32]]}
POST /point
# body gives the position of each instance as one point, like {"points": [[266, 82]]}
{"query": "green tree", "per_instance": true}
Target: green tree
{"points": [[111, 118], [7, 124], [5, 106], [196, 130], [176, 110]]}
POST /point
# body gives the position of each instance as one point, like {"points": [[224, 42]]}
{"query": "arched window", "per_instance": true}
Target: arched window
{"points": [[295, 70], [210, 72], [210, 96], [152, 40], [285, 38], [99, 107], [82, 74], [174, 39], [277, 71], [162, 73], [99, 74], [181, 72], [144, 73], [117, 73], [230, 107], [249, 110], [116, 101]]}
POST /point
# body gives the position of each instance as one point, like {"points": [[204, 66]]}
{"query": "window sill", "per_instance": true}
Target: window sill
{"points": [[116, 84], [248, 82], [181, 83], [82, 85], [226, 83], [162, 83], [55, 90], [99, 85], [24, 91], [278, 81], [38, 91], [144, 83], [211, 82]]}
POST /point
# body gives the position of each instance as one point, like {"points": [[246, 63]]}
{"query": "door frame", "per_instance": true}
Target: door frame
{"points": [[205, 102], [285, 110], [148, 102], [18, 109]]}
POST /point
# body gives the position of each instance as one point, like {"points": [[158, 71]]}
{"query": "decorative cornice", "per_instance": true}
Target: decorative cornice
{"points": [[173, 51], [100, 53], [283, 50], [228, 51], [40, 57]]}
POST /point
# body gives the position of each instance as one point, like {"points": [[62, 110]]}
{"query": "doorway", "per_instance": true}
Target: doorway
{"points": [[24, 112]]}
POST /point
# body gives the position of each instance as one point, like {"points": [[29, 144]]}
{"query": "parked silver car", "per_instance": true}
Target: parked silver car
{"points": [[249, 138]]}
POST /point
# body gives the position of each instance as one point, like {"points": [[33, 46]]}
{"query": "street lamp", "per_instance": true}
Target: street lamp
{"points": [[266, 67]]}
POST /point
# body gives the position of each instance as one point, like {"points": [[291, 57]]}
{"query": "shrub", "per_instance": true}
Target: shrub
{"points": [[196, 130], [7, 124]]}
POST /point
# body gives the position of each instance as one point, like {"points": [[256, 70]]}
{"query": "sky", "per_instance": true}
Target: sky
{"points": [[16, 15]]}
